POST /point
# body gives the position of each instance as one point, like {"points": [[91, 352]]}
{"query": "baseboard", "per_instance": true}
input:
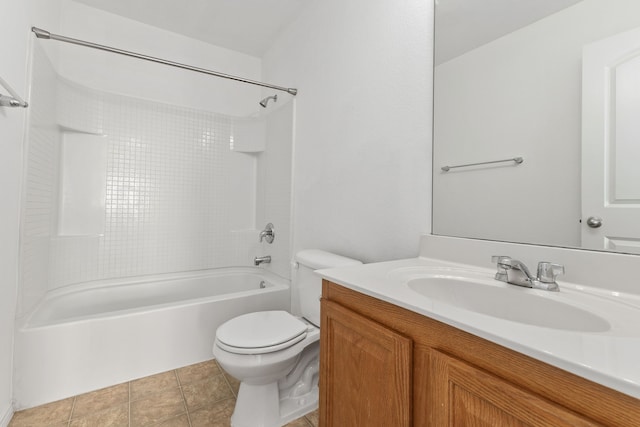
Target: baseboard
{"points": [[6, 417]]}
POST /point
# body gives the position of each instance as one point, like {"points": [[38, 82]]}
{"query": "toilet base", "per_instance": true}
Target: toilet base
{"points": [[277, 403], [260, 406], [295, 407]]}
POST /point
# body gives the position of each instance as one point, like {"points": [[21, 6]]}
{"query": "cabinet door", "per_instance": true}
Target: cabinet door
{"points": [[462, 395], [365, 372]]}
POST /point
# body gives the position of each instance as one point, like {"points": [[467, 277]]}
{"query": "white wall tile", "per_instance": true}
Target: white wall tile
{"points": [[40, 188], [177, 197]]}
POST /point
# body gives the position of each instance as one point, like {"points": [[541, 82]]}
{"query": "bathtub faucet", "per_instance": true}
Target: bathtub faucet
{"points": [[267, 234], [262, 259]]}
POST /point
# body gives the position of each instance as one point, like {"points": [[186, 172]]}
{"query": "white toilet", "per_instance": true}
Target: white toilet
{"points": [[274, 354]]}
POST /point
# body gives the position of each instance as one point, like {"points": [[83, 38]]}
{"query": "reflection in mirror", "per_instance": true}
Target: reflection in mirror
{"points": [[556, 82]]}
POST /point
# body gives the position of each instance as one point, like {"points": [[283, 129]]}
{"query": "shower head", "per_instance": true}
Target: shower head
{"points": [[265, 101]]}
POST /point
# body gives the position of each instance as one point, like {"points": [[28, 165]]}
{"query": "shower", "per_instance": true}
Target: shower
{"points": [[265, 101]]}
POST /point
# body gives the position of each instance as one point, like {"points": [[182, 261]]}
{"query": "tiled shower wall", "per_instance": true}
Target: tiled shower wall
{"points": [[177, 197], [40, 189], [174, 189]]}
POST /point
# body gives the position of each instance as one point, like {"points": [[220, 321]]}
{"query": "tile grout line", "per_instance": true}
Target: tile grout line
{"points": [[73, 407], [226, 380], [184, 400]]}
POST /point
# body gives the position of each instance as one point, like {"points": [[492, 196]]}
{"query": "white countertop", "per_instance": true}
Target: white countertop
{"points": [[610, 358]]}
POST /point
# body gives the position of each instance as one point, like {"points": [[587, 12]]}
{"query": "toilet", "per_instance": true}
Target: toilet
{"points": [[275, 354]]}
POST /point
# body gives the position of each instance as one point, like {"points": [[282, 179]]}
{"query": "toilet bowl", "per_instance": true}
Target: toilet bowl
{"points": [[274, 354], [262, 347]]}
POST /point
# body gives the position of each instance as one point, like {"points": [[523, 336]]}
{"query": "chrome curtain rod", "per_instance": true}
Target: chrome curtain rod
{"points": [[43, 34], [517, 160]]}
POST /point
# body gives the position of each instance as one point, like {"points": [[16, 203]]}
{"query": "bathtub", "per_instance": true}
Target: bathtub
{"points": [[89, 336]]}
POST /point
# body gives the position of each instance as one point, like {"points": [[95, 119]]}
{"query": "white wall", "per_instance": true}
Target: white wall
{"points": [[14, 41], [147, 80], [519, 96], [362, 161]]}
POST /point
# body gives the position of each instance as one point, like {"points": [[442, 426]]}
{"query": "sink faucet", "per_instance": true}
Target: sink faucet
{"points": [[262, 259], [516, 273]]}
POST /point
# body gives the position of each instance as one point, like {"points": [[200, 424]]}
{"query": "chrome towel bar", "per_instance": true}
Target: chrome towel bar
{"points": [[517, 160], [11, 101]]}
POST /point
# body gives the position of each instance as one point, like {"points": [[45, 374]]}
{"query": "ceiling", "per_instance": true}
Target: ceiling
{"points": [[248, 26], [251, 26], [463, 25]]}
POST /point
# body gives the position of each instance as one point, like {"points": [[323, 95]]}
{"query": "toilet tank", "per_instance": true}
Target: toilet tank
{"points": [[310, 284]]}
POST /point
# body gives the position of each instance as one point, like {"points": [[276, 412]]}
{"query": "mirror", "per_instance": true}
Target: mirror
{"points": [[555, 84]]}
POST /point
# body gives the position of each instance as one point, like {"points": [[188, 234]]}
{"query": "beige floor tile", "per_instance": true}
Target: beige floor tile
{"points": [[198, 372], [157, 407], [117, 416], [206, 392], [214, 415], [96, 401], [45, 415], [64, 424], [153, 384], [233, 383], [313, 418], [180, 421], [300, 422]]}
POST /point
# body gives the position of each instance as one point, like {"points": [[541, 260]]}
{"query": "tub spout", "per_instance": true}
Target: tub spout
{"points": [[262, 259]]}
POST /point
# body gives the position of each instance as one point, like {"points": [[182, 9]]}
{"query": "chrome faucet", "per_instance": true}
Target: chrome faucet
{"points": [[516, 273], [262, 260], [267, 233]]}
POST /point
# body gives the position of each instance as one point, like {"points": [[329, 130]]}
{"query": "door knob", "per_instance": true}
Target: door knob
{"points": [[594, 222]]}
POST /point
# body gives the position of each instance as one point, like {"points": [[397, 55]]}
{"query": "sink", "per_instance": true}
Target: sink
{"points": [[508, 302]]}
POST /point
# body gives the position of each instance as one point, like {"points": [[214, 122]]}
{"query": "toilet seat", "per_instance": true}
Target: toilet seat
{"points": [[260, 332]]}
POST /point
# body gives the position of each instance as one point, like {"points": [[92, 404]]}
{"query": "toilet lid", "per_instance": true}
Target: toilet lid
{"points": [[263, 329]]}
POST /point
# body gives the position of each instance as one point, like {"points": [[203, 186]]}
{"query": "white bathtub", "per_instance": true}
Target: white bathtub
{"points": [[89, 336]]}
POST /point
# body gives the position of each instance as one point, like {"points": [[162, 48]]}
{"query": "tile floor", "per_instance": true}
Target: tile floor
{"points": [[200, 395]]}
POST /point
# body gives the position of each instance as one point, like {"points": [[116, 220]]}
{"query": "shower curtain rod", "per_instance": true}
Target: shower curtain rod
{"points": [[13, 100], [43, 34]]}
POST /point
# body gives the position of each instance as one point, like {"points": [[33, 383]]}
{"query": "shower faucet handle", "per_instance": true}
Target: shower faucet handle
{"points": [[267, 233]]}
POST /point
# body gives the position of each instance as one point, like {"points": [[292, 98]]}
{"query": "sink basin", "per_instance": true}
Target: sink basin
{"points": [[508, 302]]}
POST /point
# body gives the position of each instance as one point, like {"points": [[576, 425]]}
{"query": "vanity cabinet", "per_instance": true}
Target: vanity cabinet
{"points": [[382, 365], [463, 395], [366, 371]]}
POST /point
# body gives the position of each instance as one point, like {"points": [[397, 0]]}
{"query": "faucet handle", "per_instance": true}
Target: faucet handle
{"points": [[501, 259], [503, 263], [267, 233], [548, 271]]}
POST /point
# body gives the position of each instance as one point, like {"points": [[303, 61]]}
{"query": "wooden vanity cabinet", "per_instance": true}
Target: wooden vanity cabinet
{"points": [[382, 365], [367, 371]]}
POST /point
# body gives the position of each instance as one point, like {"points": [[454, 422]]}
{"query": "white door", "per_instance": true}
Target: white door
{"points": [[611, 143]]}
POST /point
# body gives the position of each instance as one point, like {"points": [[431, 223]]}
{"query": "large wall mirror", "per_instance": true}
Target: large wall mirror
{"points": [[555, 85]]}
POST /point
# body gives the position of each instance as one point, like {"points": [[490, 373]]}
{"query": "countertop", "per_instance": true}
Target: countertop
{"points": [[610, 358]]}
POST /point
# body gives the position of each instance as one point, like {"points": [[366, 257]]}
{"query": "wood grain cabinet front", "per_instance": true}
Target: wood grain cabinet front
{"points": [[382, 365], [366, 368], [463, 395]]}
